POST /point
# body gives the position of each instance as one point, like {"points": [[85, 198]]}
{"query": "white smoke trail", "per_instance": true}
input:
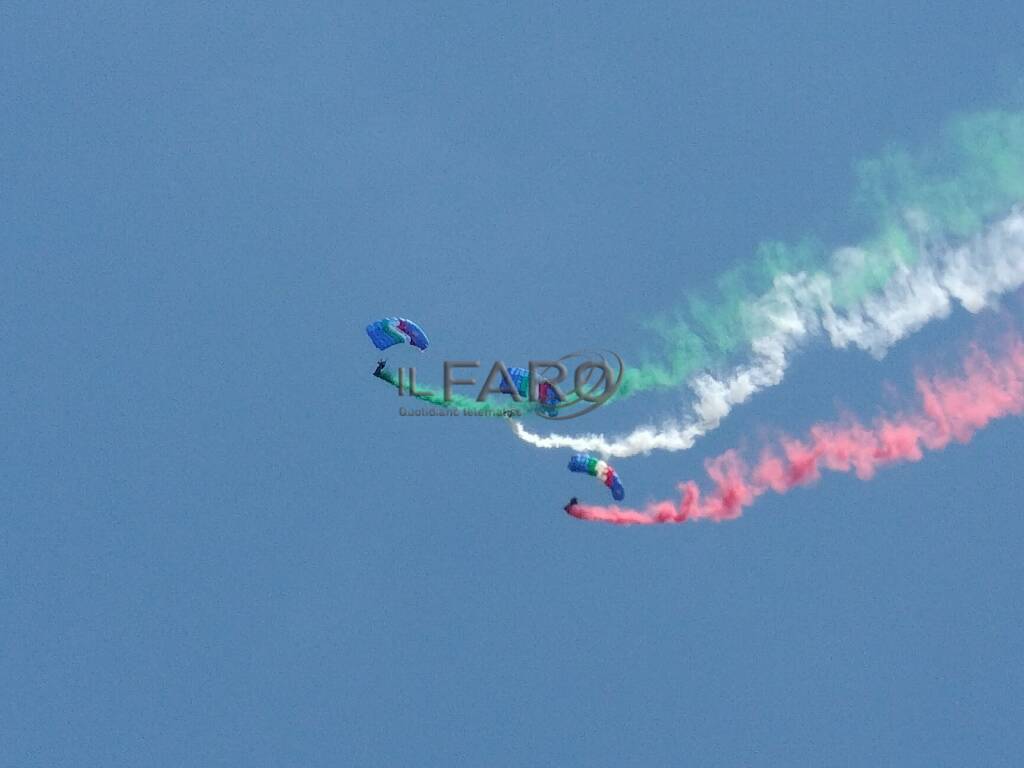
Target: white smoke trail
{"points": [[800, 307]]}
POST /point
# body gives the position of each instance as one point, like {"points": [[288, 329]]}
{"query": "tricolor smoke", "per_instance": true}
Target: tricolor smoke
{"points": [[870, 296], [801, 306], [950, 408]]}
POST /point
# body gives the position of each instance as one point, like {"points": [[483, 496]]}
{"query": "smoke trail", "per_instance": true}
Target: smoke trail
{"points": [[950, 408], [870, 296], [435, 396], [972, 174]]}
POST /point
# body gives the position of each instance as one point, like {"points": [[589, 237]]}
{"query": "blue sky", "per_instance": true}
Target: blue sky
{"points": [[221, 544]]}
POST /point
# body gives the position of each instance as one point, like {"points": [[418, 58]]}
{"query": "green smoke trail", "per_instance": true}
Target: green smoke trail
{"points": [[972, 173], [706, 330], [435, 396]]}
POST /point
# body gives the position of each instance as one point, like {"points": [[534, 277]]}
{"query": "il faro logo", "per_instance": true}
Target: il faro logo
{"points": [[544, 384]]}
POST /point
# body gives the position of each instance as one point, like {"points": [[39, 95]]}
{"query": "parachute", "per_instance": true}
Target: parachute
{"points": [[521, 380], [396, 330], [546, 394], [599, 469]]}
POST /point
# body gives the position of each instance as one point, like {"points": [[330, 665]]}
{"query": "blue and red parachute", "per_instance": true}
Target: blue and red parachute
{"points": [[601, 470], [547, 395], [389, 331]]}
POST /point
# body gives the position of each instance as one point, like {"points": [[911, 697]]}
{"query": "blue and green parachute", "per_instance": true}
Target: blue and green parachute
{"points": [[600, 469], [389, 331], [547, 395]]}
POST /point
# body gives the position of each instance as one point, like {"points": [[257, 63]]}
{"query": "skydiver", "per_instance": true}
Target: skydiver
{"points": [[572, 503], [380, 367]]}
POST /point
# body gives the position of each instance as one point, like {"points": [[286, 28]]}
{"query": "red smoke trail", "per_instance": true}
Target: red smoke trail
{"points": [[951, 408]]}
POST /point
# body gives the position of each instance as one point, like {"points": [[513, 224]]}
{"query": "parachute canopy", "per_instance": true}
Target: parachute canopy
{"points": [[599, 469], [396, 330], [546, 394]]}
